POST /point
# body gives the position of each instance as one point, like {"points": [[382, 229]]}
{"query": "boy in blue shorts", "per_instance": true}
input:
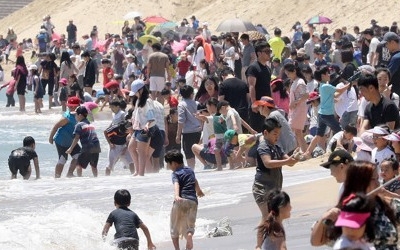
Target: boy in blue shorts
{"points": [[85, 132], [126, 222], [184, 209]]}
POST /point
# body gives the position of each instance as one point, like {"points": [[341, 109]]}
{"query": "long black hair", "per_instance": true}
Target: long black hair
{"points": [[202, 89], [294, 67], [276, 199], [65, 58]]}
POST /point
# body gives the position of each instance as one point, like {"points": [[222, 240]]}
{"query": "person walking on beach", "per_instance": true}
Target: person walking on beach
{"points": [[271, 231], [270, 159], [157, 67], [126, 221], [71, 31], [186, 191], [258, 79], [90, 72], [85, 132], [20, 75], [62, 135], [19, 160]]}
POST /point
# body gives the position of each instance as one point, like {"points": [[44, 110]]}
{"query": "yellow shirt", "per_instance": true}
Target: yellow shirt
{"points": [[242, 140], [277, 46]]}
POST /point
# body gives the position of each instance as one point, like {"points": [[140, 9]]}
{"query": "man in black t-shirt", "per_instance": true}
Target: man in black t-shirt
{"points": [[235, 91], [71, 31], [258, 76], [20, 160], [380, 110]]}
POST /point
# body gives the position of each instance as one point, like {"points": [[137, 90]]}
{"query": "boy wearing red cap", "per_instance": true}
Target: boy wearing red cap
{"points": [[61, 134]]}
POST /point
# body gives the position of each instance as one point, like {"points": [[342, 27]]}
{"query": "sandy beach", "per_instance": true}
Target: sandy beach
{"points": [[268, 13], [308, 201]]}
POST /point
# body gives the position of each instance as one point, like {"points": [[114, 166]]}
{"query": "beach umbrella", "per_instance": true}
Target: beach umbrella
{"points": [[143, 39], [319, 20], [255, 35], [155, 19], [164, 27], [131, 15], [235, 25]]}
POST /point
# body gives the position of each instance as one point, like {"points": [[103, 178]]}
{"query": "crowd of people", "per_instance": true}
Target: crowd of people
{"points": [[229, 101]]}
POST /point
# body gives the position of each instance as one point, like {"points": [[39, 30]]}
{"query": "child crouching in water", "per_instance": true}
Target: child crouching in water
{"points": [[184, 209], [126, 221]]}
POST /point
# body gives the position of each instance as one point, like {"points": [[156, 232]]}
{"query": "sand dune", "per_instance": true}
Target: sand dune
{"points": [[107, 15]]}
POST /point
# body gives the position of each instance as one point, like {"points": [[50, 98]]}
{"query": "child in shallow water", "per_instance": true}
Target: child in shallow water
{"points": [[126, 221]]}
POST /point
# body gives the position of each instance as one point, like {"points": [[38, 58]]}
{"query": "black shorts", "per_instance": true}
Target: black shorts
{"points": [[61, 151], [21, 89], [187, 142], [157, 142], [106, 91], [85, 158], [209, 157], [50, 84], [18, 163]]}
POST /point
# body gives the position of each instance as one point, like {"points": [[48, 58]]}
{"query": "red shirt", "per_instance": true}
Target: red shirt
{"points": [[183, 67], [107, 72]]}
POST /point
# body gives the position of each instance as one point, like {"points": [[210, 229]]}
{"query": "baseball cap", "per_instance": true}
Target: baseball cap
{"points": [[264, 101], [338, 156], [275, 81], [136, 86], [73, 101], [229, 134], [81, 110], [316, 34], [63, 81], [312, 96], [390, 36], [351, 219], [33, 67]]}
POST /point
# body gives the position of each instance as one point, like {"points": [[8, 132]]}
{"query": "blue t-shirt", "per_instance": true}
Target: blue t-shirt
{"points": [[327, 94], [125, 221], [88, 137], [64, 135], [187, 183]]}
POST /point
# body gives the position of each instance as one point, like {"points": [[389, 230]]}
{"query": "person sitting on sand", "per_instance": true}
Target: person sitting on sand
{"points": [[19, 160], [126, 221]]}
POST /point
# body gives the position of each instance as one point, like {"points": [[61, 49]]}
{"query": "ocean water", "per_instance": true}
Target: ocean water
{"points": [[69, 213]]}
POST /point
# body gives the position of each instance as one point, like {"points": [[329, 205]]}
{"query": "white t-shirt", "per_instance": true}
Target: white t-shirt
{"points": [[208, 129], [378, 156], [118, 117], [312, 85], [361, 107], [341, 102], [344, 243]]}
